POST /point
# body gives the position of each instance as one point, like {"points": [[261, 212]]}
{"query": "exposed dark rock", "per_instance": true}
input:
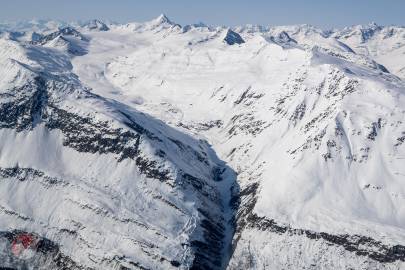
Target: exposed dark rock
{"points": [[86, 135], [369, 31], [247, 97], [283, 39], [247, 124], [232, 38], [31, 106], [361, 245], [26, 174], [175, 263], [299, 113], [68, 37], [204, 126], [27, 106], [66, 31], [400, 140], [375, 127], [96, 25], [208, 253]]}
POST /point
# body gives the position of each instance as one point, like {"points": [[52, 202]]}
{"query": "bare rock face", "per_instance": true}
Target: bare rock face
{"points": [[232, 38]]}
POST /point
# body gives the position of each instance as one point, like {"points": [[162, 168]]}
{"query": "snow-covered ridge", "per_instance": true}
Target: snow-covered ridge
{"points": [[287, 142]]}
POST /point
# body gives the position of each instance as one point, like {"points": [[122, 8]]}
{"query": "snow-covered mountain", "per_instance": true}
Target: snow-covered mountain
{"points": [[160, 146]]}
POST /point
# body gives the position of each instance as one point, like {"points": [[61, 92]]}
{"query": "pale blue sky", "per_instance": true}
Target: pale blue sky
{"points": [[322, 13]]}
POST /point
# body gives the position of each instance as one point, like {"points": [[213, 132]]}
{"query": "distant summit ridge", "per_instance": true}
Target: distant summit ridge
{"points": [[160, 23], [96, 25]]}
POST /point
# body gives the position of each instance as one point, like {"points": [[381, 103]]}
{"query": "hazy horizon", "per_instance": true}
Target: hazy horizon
{"points": [[318, 13], [108, 21]]}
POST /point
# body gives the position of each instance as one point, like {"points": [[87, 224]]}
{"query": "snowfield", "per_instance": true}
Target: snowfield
{"points": [[159, 146]]}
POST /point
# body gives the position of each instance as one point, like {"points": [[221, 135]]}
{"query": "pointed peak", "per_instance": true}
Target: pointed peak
{"points": [[232, 38], [96, 24], [283, 39], [283, 35], [366, 31], [159, 23], [68, 30], [372, 25], [162, 18]]}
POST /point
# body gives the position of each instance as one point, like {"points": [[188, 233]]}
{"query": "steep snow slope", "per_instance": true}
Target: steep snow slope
{"points": [[314, 131], [94, 184]]}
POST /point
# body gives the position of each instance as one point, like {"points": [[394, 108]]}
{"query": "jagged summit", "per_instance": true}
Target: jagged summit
{"points": [[65, 31], [66, 38], [232, 38], [96, 25], [283, 38], [368, 26], [162, 19], [362, 32], [162, 22]]}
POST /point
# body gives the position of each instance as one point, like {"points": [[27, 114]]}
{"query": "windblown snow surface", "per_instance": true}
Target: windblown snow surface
{"points": [[159, 146]]}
